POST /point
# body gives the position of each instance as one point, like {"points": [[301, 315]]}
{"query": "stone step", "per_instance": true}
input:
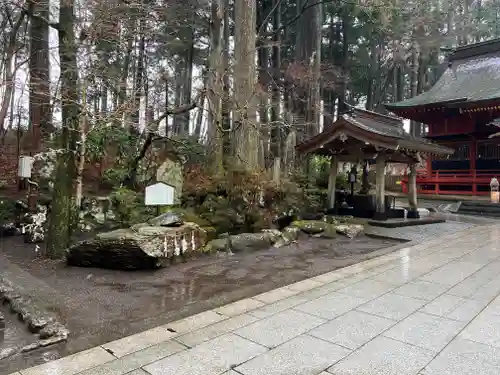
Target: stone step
{"points": [[479, 209]]}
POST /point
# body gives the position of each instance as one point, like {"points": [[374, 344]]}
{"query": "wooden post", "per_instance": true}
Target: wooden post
{"points": [[332, 178], [380, 213], [365, 184], [472, 164], [412, 192]]}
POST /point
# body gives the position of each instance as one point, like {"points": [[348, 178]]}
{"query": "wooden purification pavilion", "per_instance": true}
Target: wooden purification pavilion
{"points": [[359, 136]]}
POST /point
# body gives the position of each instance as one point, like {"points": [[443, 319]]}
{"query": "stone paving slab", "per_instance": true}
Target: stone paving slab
{"points": [[431, 308], [419, 232]]}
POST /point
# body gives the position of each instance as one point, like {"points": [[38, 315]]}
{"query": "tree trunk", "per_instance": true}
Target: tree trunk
{"points": [[466, 22], [39, 66], [81, 154], [246, 127], [214, 92], [346, 20], [200, 114], [414, 126], [371, 88], [317, 70], [62, 215], [276, 133], [187, 84], [10, 73], [122, 97], [263, 62], [139, 82], [166, 78], [103, 107], [177, 120], [226, 97]]}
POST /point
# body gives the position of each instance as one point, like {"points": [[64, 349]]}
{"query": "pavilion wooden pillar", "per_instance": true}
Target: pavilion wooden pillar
{"points": [[412, 192], [472, 164], [380, 213], [332, 178]]}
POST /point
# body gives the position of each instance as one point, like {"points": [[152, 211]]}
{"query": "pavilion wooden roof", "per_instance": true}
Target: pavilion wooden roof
{"points": [[362, 134]]}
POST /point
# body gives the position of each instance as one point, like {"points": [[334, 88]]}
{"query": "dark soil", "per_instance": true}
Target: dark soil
{"points": [[99, 306]]}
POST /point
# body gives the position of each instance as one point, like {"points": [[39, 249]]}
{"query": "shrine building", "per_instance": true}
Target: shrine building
{"points": [[462, 112]]}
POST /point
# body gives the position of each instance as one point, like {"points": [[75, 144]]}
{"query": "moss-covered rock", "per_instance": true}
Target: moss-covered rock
{"points": [[137, 226], [310, 226], [244, 241], [210, 231], [143, 248], [350, 230], [189, 215], [217, 245], [254, 241], [330, 232], [288, 235], [345, 225]]}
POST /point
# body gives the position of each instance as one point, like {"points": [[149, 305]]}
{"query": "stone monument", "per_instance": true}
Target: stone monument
{"points": [[170, 172]]}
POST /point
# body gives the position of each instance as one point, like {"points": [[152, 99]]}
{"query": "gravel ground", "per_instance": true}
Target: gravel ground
{"points": [[99, 306]]}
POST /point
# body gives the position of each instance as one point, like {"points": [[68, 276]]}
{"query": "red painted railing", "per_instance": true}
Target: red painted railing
{"points": [[453, 178]]}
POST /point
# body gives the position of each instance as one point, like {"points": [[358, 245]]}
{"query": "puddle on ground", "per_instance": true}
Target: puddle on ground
{"points": [[16, 333]]}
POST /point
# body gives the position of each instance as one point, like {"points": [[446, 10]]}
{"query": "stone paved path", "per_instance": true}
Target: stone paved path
{"points": [[428, 309], [419, 232]]}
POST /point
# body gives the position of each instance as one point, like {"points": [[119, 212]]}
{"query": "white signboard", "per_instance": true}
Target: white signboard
{"points": [[25, 164], [159, 194]]}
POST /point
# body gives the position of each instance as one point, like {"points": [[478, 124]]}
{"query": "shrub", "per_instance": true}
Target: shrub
{"points": [[241, 201], [129, 207], [8, 211]]}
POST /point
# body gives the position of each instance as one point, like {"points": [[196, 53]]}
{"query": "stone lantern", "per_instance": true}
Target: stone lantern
{"points": [[494, 195]]}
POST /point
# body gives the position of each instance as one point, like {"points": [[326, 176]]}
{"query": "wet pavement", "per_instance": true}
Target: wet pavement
{"points": [[426, 309], [99, 306], [420, 232]]}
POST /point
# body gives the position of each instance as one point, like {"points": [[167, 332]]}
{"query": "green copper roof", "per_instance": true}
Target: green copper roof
{"points": [[473, 75]]}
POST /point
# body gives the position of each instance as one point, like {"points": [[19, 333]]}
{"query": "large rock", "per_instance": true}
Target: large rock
{"points": [[96, 212], [254, 241], [288, 235], [218, 245], [168, 219], [171, 172], [245, 241], [342, 219], [310, 226], [144, 247], [350, 230], [330, 228]]}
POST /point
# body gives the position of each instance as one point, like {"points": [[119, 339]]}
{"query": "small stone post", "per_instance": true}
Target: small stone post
{"points": [[412, 192], [332, 179], [494, 194]]}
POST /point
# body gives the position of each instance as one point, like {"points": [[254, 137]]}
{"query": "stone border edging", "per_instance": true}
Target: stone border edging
{"points": [[42, 323]]}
